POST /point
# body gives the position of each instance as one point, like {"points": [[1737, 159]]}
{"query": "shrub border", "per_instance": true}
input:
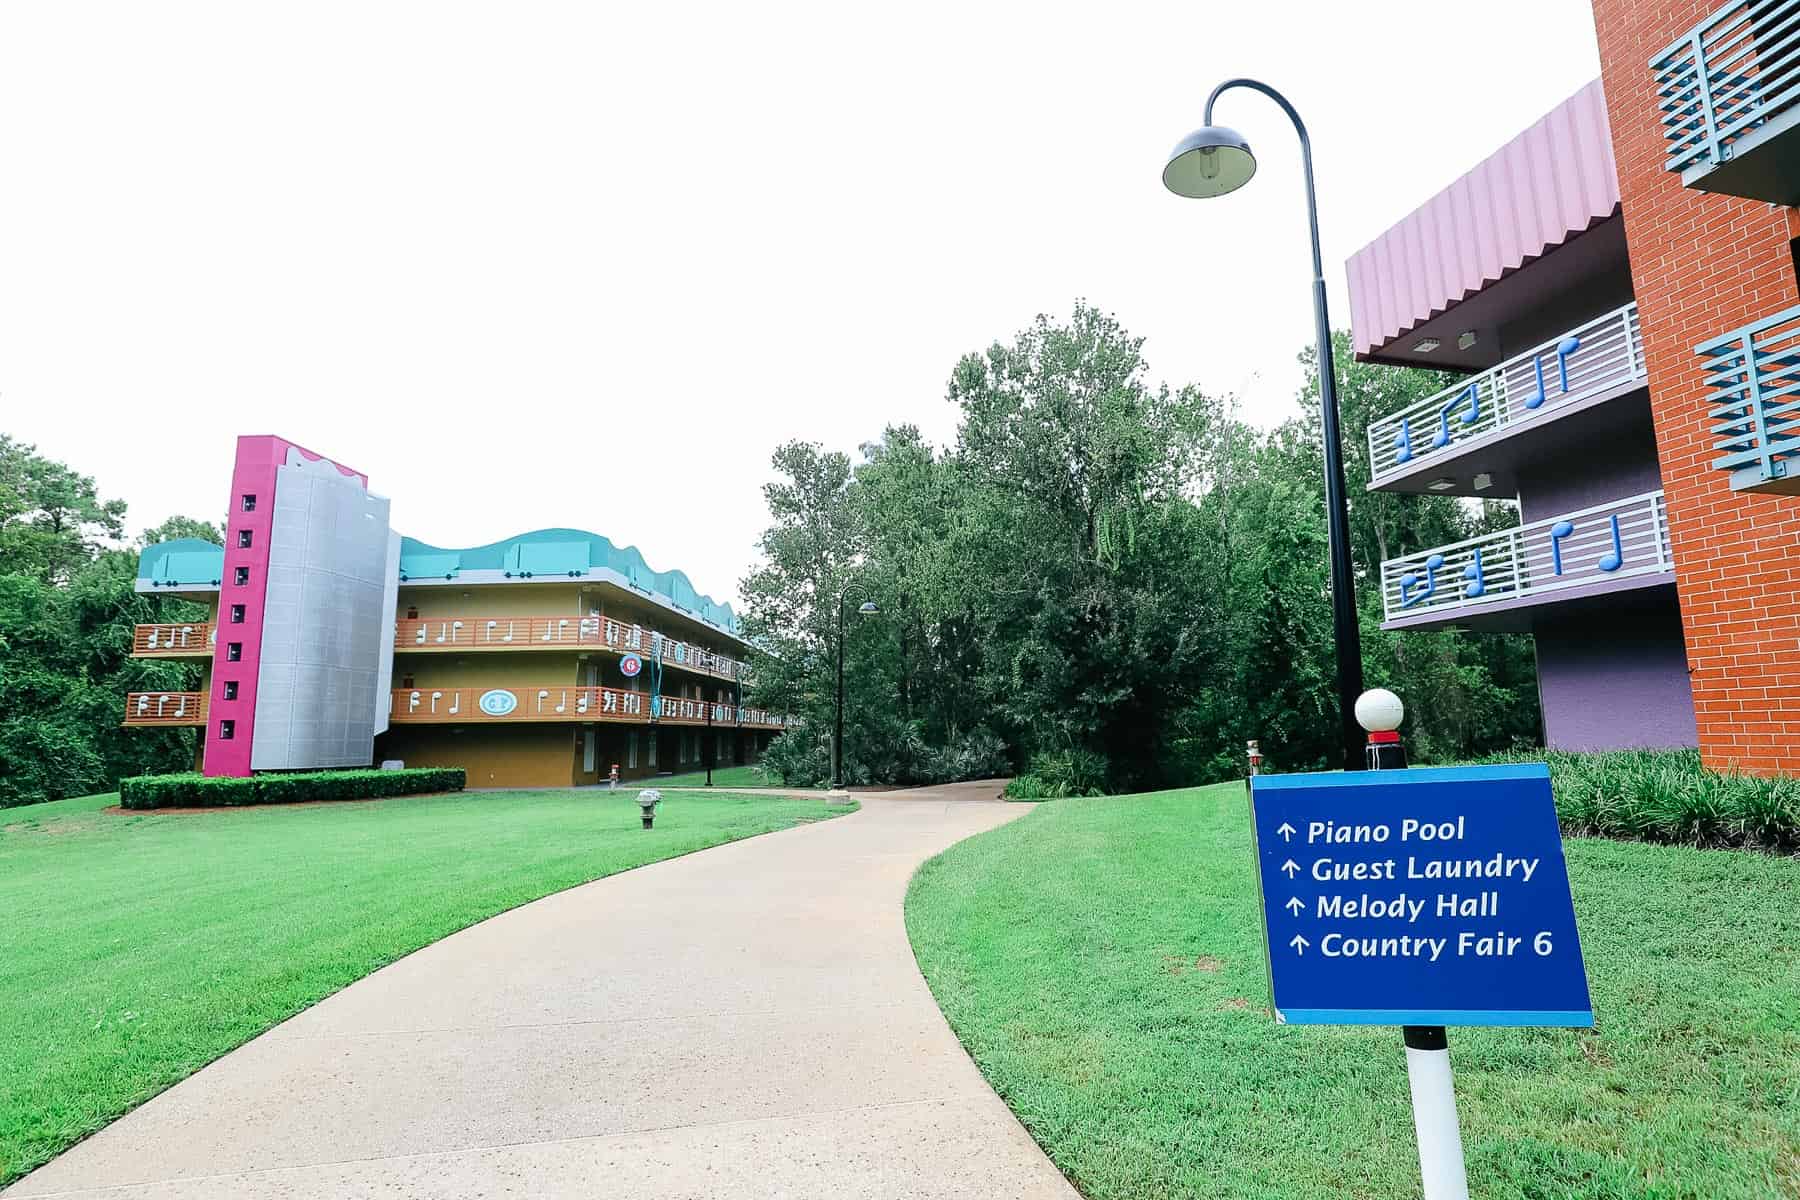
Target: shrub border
{"points": [[192, 790]]}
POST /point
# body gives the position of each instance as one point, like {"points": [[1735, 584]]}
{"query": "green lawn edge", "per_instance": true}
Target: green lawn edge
{"points": [[144, 945], [1101, 960]]}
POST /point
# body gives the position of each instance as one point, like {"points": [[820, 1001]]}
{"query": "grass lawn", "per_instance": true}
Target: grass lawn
{"points": [[1103, 963], [139, 946], [748, 777]]}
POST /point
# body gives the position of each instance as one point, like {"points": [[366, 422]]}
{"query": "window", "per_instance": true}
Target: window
{"points": [[653, 740], [244, 539], [237, 614], [631, 749], [231, 689], [249, 502], [241, 576], [234, 651], [406, 681], [589, 751], [227, 730]]}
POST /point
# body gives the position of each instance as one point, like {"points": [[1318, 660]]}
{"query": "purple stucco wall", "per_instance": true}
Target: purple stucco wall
{"points": [[1616, 676], [1621, 464]]}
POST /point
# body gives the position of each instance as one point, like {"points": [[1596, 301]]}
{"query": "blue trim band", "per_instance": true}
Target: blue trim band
{"points": [[1346, 779], [1453, 1016]]}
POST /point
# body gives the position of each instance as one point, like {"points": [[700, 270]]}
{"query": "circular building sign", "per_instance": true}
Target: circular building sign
{"points": [[498, 703], [630, 665]]}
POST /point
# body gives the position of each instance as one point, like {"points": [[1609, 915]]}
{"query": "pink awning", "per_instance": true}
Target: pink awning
{"points": [[1553, 181]]}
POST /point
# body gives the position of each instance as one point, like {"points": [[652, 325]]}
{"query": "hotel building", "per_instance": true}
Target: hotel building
{"points": [[1616, 288], [544, 660]]}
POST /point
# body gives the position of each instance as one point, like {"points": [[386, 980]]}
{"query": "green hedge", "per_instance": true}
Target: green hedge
{"points": [[1667, 796], [199, 791]]}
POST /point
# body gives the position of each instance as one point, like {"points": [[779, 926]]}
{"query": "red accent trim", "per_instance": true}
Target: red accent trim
{"points": [[1383, 737]]}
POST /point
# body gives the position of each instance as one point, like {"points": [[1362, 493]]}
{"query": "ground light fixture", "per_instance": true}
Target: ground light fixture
{"points": [[647, 800], [1212, 161]]}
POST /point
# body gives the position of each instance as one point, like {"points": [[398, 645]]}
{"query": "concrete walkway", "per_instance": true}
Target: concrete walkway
{"points": [[743, 1022]]}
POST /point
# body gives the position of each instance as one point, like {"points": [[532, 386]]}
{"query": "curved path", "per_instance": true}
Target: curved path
{"points": [[747, 1021]]}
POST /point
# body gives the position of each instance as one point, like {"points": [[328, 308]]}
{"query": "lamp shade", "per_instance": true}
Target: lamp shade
{"points": [[869, 608], [1209, 162]]}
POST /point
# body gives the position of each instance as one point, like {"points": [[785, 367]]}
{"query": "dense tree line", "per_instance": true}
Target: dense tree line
{"points": [[67, 609], [1108, 577], [1114, 579]]}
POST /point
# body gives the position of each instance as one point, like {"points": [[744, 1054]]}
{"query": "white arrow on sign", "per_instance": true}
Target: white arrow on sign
{"points": [[1291, 867], [1295, 905], [1286, 831], [1299, 944]]}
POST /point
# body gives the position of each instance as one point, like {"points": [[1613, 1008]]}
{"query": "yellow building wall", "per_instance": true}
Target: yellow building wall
{"points": [[491, 755], [493, 600], [490, 668]]}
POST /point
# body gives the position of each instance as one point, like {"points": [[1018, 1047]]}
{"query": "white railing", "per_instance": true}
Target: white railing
{"points": [[1616, 540], [1604, 355]]}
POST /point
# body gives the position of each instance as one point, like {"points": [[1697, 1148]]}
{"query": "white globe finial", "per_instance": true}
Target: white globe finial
{"points": [[1379, 710]]}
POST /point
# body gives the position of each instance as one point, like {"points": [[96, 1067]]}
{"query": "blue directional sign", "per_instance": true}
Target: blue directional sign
{"points": [[1435, 896]]}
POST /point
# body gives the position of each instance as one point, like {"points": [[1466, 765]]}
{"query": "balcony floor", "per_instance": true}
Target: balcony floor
{"points": [[1549, 431], [1516, 614]]}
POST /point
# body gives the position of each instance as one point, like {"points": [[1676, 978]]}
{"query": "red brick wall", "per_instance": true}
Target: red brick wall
{"points": [[1703, 265]]}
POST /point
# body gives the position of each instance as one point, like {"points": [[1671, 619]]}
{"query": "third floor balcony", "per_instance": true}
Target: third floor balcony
{"points": [[188, 639], [1492, 581], [1728, 94], [1471, 438], [482, 633]]}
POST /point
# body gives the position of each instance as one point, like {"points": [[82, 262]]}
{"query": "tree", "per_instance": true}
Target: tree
{"points": [[67, 611]]}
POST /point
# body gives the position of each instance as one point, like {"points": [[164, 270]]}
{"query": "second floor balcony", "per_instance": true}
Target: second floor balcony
{"points": [[165, 708], [567, 704], [1492, 580], [1728, 95], [1471, 438], [482, 633], [1753, 382]]}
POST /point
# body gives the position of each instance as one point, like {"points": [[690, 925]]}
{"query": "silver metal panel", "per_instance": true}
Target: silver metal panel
{"points": [[327, 622]]}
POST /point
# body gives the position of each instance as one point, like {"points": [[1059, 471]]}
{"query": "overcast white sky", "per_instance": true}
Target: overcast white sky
{"points": [[533, 264]]}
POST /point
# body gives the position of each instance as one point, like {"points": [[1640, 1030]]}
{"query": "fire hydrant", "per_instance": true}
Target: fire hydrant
{"points": [[612, 782], [647, 802]]}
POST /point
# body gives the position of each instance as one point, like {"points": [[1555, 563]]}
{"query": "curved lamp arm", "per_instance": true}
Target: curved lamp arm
{"points": [[1312, 203]]}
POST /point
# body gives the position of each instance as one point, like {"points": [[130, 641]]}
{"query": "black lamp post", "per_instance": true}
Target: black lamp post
{"points": [[868, 608], [1210, 162]]}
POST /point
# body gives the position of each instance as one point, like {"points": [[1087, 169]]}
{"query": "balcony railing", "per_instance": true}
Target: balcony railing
{"points": [[1734, 76], [1604, 355], [165, 708], [1617, 540], [560, 633], [1753, 377], [193, 639], [563, 703]]}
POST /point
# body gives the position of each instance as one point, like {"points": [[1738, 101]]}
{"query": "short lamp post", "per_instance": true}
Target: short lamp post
{"points": [[867, 609], [1212, 161]]}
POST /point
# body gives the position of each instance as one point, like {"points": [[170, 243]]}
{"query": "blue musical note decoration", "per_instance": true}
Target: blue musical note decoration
{"points": [[1408, 581], [1403, 442], [1472, 394], [1564, 349], [1616, 558], [1537, 397], [1558, 532], [1477, 582]]}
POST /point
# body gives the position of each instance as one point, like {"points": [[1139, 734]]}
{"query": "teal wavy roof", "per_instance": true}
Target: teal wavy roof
{"points": [[184, 562], [544, 552], [571, 552]]}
